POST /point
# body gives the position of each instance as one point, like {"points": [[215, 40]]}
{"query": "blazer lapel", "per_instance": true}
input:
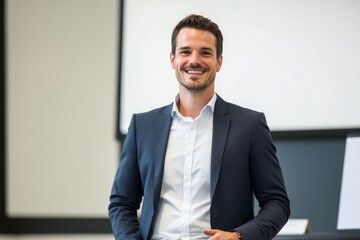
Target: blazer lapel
{"points": [[221, 125], [162, 130]]}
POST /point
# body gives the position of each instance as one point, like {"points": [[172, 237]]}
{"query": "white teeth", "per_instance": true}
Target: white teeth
{"points": [[195, 72]]}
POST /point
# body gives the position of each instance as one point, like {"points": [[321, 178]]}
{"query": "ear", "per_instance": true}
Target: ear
{"points": [[172, 60], [219, 60]]}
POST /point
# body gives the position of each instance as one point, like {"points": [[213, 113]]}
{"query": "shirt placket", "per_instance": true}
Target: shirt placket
{"points": [[188, 163]]}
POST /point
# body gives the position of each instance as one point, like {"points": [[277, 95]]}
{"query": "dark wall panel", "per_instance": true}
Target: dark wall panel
{"points": [[312, 170]]}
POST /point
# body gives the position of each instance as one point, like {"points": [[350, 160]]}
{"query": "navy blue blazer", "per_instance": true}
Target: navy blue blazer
{"points": [[243, 164]]}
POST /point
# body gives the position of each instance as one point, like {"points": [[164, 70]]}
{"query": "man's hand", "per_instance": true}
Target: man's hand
{"points": [[221, 235]]}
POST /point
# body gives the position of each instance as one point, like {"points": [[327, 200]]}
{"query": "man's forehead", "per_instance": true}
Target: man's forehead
{"points": [[195, 31], [196, 36]]}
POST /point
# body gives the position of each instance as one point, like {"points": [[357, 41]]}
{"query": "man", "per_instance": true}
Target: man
{"points": [[198, 162]]}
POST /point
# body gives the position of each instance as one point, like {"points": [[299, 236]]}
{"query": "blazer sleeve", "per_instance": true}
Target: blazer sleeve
{"points": [[126, 193], [268, 185]]}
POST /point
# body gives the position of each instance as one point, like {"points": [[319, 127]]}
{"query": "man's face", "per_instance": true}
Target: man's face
{"points": [[195, 60]]}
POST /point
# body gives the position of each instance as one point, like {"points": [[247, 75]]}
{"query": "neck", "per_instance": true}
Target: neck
{"points": [[190, 104]]}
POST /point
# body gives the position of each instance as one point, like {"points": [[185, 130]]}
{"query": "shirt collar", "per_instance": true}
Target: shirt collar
{"points": [[210, 105]]}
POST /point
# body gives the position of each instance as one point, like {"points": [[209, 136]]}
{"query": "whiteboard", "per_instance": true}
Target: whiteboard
{"points": [[349, 208], [296, 61]]}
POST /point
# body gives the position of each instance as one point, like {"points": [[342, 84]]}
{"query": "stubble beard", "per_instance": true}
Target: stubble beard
{"points": [[195, 88]]}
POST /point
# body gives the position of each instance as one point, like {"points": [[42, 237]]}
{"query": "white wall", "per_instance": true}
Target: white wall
{"points": [[61, 86]]}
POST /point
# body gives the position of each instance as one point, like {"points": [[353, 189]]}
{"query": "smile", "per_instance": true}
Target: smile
{"points": [[194, 71]]}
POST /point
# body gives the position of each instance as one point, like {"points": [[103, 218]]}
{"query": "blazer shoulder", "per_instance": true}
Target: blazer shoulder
{"points": [[243, 110], [234, 110], [146, 121], [154, 112]]}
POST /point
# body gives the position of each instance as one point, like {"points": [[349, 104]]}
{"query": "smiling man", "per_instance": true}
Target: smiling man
{"points": [[197, 163]]}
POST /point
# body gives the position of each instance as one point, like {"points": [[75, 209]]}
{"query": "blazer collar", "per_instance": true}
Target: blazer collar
{"points": [[221, 128], [221, 125], [162, 130]]}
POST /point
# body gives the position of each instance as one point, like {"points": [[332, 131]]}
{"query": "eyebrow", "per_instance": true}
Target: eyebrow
{"points": [[202, 49], [207, 49]]}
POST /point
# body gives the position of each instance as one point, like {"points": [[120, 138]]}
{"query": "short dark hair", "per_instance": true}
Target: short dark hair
{"points": [[201, 23]]}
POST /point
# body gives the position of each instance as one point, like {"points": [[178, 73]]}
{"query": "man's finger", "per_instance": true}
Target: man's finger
{"points": [[210, 231]]}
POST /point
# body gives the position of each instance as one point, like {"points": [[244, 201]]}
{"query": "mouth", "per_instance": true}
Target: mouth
{"points": [[195, 71]]}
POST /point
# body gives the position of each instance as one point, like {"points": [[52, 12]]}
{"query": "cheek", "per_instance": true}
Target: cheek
{"points": [[177, 65]]}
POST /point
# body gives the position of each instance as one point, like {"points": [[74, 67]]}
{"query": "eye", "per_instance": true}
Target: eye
{"points": [[206, 53], [184, 52]]}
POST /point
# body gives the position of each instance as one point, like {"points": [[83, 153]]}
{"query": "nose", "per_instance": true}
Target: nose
{"points": [[195, 58]]}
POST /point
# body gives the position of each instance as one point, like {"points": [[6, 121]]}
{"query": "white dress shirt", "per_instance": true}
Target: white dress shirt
{"points": [[184, 210]]}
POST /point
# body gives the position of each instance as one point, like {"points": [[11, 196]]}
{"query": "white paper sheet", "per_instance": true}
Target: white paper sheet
{"points": [[349, 207]]}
